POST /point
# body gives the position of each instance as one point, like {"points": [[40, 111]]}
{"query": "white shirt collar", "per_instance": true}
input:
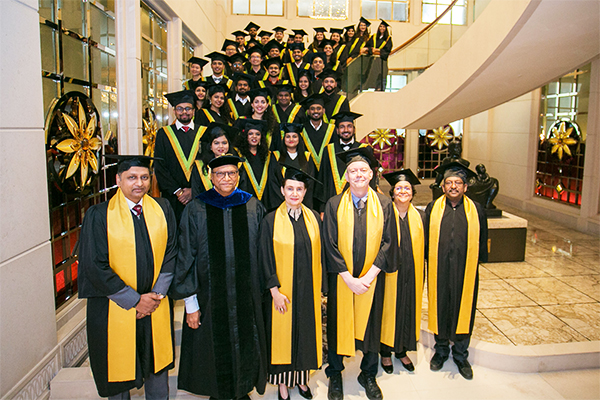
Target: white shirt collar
{"points": [[293, 155], [356, 199], [217, 78], [350, 143], [242, 100], [178, 124], [316, 128], [131, 204]]}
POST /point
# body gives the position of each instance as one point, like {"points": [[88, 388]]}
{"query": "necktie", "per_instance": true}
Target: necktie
{"points": [[360, 205], [185, 128], [137, 209]]}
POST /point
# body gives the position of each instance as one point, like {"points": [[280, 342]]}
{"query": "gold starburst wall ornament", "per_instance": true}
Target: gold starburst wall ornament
{"points": [[440, 137], [149, 138], [382, 137], [82, 146], [561, 140]]}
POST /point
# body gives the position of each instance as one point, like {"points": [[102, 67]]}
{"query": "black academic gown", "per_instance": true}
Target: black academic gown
{"points": [[284, 115], [97, 281], [188, 84], [258, 75], [327, 176], [385, 260], [304, 344], [224, 81], [169, 174], [204, 120], [405, 329], [218, 261], [331, 105], [291, 71], [452, 254], [305, 163], [318, 136], [243, 110], [272, 196]]}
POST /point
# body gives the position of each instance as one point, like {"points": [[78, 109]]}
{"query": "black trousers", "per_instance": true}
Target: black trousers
{"points": [[460, 348], [368, 365], [386, 351], [156, 387]]}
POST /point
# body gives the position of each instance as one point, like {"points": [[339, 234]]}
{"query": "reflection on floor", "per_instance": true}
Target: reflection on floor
{"points": [[551, 297]]}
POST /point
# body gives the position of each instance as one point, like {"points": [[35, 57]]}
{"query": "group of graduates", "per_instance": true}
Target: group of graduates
{"points": [[267, 205]]}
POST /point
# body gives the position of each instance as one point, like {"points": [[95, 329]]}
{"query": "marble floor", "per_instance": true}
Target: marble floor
{"points": [[551, 297]]}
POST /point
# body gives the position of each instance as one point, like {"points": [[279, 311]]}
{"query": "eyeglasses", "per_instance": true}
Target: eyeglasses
{"points": [[182, 109], [454, 183], [223, 174]]}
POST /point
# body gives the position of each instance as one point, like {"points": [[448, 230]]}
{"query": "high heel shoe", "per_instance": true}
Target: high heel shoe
{"points": [[305, 393]]}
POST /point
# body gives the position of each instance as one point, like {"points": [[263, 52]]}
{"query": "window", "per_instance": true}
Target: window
{"points": [[388, 147], [434, 8], [396, 82], [389, 10], [187, 52], [154, 65], [562, 138], [257, 7], [323, 9], [78, 55]]}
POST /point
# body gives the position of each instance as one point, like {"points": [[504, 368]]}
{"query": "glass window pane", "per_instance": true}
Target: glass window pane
{"points": [[96, 66], [48, 44], [157, 36], [258, 7], [240, 6], [400, 12], [70, 87], [304, 8], [112, 67], [98, 26], [146, 23], [111, 41], [145, 53], [459, 15], [46, 9], [275, 7], [50, 89], [446, 18], [71, 14], [384, 10], [339, 9], [369, 10], [74, 58], [428, 13]]}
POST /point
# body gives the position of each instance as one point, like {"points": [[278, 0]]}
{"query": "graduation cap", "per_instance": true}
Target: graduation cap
{"points": [[347, 28], [315, 98], [217, 56], [217, 88], [320, 29], [405, 175], [455, 168], [215, 130], [364, 153], [238, 76], [367, 22], [256, 49], [125, 162], [296, 46], [183, 96], [265, 33], [320, 55], [384, 24], [225, 159], [285, 87], [272, 44], [238, 57], [279, 29], [195, 84], [336, 30], [228, 42], [239, 33], [326, 42], [273, 60], [252, 43], [345, 116], [250, 26], [307, 73], [197, 60], [245, 124], [287, 127], [264, 92], [299, 32], [296, 174], [330, 73]]}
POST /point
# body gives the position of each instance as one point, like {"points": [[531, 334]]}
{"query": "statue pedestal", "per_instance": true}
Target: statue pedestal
{"points": [[507, 237], [493, 213]]}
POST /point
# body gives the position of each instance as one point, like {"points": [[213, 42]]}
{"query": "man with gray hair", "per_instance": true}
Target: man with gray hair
{"points": [[456, 241]]}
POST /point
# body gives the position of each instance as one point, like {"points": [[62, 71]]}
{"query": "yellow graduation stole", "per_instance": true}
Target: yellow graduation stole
{"points": [[204, 178], [234, 112], [186, 163], [122, 257], [259, 188], [290, 71], [338, 179], [354, 42], [466, 300], [336, 109], [296, 108], [208, 115], [309, 145], [353, 311], [388, 322], [283, 248]]}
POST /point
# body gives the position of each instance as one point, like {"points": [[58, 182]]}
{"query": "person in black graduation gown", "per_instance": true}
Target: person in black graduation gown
{"points": [[177, 146], [317, 44], [339, 49], [304, 88], [292, 152], [200, 90], [254, 68], [404, 289], [196, 65], [317, 133], [135, 276], [215, 142], [223, 346], [361, 38], [216, 107], [296, 64], [332, 172], [285, 110], [260, 173], [380, 44], [318, 62], [335, 102], [292, 284], [359, 235], [238, 63], [239, 100], [454, 224], [218, 64]]}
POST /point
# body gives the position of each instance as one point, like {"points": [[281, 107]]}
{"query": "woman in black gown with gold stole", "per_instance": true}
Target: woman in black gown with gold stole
{"points": [[290, 255]]}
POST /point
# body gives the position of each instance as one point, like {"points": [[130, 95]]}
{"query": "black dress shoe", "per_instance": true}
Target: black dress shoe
{"points": [[464, 368], [371, 387], [305, 393], [408, 366], [437, 362], [336, 388], [387, 368]]}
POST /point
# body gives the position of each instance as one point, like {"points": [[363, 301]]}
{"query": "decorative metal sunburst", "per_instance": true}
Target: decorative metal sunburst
{"points": [[149, 138], [382, 137], [561, 140], [440, 137]]}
